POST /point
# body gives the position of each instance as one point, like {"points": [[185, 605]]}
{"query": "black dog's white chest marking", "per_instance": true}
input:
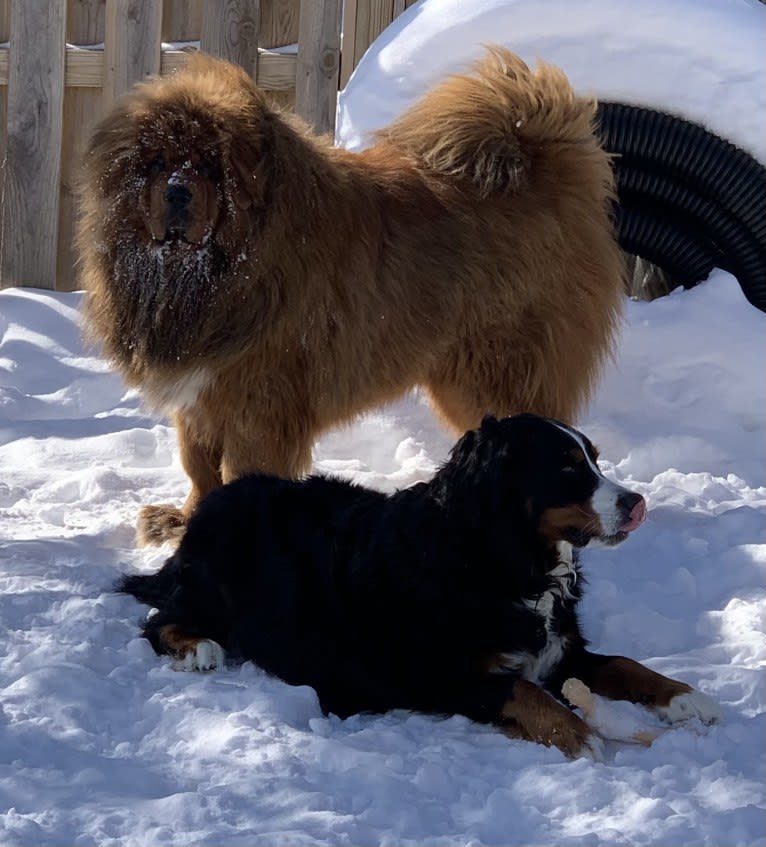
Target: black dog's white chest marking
{"points": [[536, 667]]}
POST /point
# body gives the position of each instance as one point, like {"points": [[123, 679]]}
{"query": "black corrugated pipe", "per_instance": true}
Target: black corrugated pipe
{"points": [[688, 201]]}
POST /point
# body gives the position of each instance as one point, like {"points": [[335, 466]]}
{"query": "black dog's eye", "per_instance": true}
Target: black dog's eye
{"points": [[157, 165], [569, 469]]}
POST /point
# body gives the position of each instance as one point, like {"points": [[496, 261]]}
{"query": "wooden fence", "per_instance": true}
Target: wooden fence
{"points": [[63, 62]]}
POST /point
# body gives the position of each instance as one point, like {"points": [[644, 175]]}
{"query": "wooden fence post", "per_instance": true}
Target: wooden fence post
{"points": [[132, 45], [82, 107], [230, 31], [316, 78], [29, 183], [363, 21]]}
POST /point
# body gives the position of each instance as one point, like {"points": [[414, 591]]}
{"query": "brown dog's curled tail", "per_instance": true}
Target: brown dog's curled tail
{"points": [[486, 126]]}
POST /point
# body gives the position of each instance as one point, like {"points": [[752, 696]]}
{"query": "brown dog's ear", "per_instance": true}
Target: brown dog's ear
{"points": [[110, 150], [242, 196], [250, 149]]}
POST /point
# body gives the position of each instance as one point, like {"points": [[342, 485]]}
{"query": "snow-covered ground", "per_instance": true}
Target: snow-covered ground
{"points": [[102, 743]]}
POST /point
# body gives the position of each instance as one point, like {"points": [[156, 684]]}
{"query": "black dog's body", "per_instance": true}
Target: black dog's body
{"points": [[453, 596]]}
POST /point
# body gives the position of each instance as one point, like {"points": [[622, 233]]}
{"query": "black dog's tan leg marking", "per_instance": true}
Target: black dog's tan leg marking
{"points": [[535, 716], [619, 678], [190, 652]]}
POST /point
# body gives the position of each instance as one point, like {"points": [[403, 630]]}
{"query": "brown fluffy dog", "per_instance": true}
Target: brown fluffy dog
{"points": [[260, 286]]}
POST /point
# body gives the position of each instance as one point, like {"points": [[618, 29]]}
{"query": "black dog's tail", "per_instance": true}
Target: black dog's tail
{"points": [[153, 589]]}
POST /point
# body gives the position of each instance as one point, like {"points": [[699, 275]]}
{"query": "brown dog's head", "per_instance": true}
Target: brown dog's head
{"points": [[175, 189], [179, 158]]}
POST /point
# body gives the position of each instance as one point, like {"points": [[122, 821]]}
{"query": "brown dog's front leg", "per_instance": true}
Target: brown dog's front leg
{"points": [[201, 459], [202, 462], [284, 452], [619, 678]]}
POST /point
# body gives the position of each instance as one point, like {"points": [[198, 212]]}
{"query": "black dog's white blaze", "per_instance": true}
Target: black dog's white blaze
{"points": [[537, 667]]}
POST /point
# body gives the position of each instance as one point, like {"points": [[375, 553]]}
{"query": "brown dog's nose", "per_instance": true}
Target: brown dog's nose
{"points": [[177, 196]]}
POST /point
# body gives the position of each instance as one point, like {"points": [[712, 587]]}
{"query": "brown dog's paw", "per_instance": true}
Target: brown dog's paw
{"points": [[158, 524]]}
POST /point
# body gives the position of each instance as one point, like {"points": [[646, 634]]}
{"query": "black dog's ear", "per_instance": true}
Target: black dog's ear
{"points": [[476, 460]]}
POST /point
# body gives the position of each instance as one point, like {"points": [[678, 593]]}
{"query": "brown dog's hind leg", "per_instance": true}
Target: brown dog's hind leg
{"points": [[504, 372]]}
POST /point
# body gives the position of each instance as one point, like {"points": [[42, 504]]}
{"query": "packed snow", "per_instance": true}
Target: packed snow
{"points": [[101, 742]]}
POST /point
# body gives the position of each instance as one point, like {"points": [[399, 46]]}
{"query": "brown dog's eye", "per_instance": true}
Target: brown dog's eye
{"points": [[205, 169]]}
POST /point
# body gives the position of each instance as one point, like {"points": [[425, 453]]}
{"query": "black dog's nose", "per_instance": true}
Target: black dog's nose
{"points": [[633, 507], [177, 195], [628, 499]]}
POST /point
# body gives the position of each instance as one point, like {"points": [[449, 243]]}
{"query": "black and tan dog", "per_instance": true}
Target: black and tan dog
{"points": [[456, 596]]}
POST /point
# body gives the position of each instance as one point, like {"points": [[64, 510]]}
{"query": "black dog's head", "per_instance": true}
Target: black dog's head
{"points": [[543, 473]]}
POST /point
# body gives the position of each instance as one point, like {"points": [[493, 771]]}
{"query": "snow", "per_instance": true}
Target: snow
{"points": [[102, 742]]}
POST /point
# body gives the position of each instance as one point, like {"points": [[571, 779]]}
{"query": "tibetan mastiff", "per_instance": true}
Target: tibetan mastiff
{"points": [[260, 286], [456, 596]]}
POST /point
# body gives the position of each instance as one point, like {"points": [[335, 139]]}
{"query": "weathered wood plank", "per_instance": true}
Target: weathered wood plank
{"points": [[132, 44], [181, 20], [363, 21], [5, 20], [279, 27], [347, 63], [279, 22], [276, 71], [85, 21], [82, 108], [5, 28], [30, 180], [316, 78], [230, 30]]}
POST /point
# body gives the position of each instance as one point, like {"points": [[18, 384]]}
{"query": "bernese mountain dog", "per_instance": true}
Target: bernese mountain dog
{"points": [[455, 596]]}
